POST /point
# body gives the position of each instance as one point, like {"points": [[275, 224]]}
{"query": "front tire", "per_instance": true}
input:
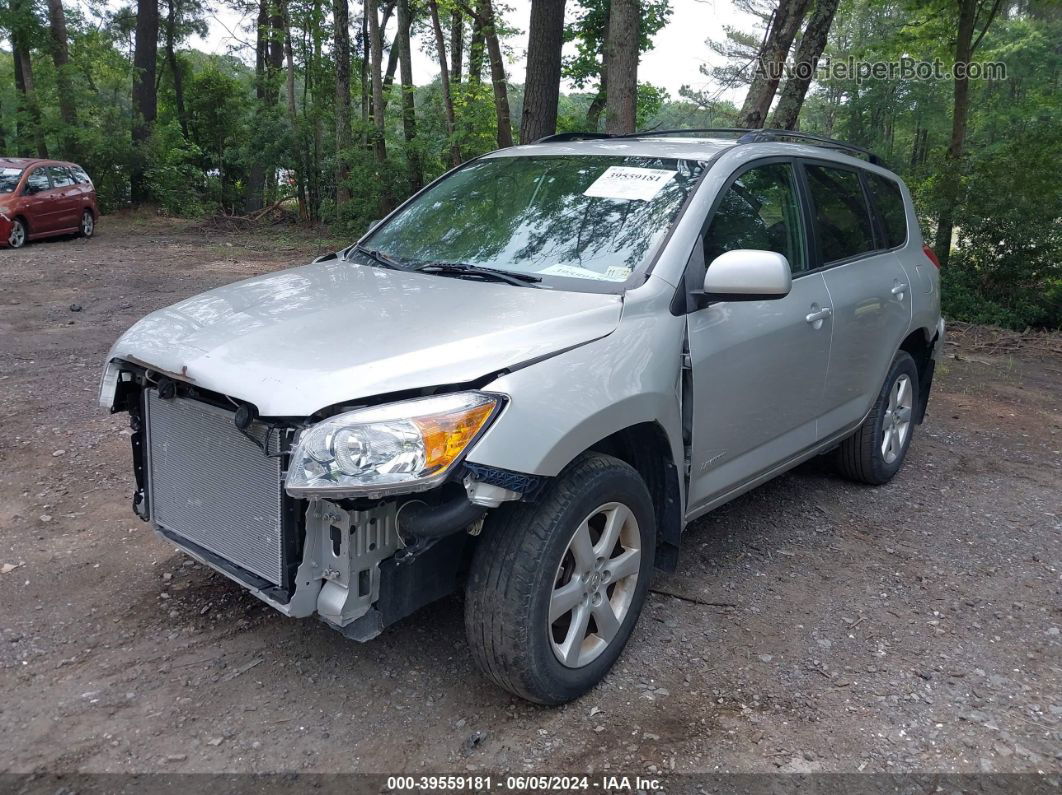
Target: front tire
{"points": [[875, 453], [16, 238], [556, 587]]}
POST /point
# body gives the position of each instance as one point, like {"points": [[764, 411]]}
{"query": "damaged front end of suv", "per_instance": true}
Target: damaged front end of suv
{"points": [[361, 518], [333, 478]]}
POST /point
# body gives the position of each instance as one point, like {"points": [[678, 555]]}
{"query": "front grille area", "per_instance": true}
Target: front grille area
{"points": [[212, 485]]}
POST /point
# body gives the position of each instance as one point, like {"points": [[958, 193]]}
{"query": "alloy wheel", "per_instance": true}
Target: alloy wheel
{"points": [[17, 235], [594, 585], [88, 224], [896, 424]]}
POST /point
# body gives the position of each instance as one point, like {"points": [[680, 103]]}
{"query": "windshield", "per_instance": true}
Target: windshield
{"points": [[9, 178], [582, 222]]}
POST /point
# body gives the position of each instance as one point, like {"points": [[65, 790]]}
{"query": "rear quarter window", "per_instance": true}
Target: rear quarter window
{"points": [[888, 201], [842, 218]]}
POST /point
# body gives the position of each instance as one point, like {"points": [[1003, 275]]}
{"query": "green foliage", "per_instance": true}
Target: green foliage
{"points": [[588, 33], [1006, 258], [1007, 255], [173, 173]]}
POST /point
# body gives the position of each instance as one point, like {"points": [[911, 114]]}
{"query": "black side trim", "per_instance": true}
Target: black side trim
{"points": [[141, 506], [529, 485], [433, 574], [702, 299], [925, 384], [669, 534]]}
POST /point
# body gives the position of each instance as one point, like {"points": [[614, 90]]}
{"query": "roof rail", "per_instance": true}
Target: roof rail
{"points": [[766, 135], [743, 136], [558, 138], [712, 130]]}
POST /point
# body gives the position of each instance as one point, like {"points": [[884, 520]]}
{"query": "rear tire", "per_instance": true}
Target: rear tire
{"points": [[875, 452], [88, 225], [556, 587]]}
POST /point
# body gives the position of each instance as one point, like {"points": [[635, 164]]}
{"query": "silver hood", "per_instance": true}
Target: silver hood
{"points": [[299, 340]]}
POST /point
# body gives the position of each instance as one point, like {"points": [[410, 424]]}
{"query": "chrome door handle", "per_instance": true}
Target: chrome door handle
{"points": [[822, 314], [899, 289]]}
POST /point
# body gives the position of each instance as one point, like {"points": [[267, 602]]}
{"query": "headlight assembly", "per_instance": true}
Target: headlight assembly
{"points": [[390, 449]]}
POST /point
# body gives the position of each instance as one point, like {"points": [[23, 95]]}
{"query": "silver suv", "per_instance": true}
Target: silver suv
{"points": [[527, 380]]}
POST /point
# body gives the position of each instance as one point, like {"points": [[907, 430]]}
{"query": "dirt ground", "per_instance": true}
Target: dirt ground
{"points": [[813, 625]]}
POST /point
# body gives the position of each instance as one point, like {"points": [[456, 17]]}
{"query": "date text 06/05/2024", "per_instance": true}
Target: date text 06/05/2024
{"points": [[548, 783]]}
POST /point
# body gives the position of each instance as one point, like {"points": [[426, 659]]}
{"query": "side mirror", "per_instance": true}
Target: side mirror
{"points": [[747, 275]]}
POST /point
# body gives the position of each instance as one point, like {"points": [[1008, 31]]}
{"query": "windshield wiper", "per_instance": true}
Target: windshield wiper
{"points": [[463, 269], [378, 257]]}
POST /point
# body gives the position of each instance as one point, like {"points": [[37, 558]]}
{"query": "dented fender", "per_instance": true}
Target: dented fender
{"points": [[563, 405]]}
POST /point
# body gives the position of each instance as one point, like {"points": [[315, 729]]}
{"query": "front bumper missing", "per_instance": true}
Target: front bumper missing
{"points": [[339, 576]]}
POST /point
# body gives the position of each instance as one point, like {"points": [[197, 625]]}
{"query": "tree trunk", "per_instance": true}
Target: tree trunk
{"points": [[444, 84], [950, 179], [254, 190], [457, 46], [293, 116], [812, 43], [366, 88], [376, 75], [783, 29], [34, 141], [920, 146], [621, 102], [173, 64], [475, 54], [341, 15], [389, 76], [61, 59], [542, 83], [145, 100], [497, 74], [276, 47], [597, 106], [409, 115]]}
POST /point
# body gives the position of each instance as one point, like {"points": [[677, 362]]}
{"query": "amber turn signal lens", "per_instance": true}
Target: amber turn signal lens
{"points": [[446, 435]]}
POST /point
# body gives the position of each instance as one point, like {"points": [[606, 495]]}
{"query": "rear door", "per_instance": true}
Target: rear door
{"points": [[869, 289], [66, 198], [37, 202], [758, 367], [890, 210]]}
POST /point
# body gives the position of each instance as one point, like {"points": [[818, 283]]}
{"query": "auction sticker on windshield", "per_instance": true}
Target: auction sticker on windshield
{"points": [[613, 274], [625, 182]]}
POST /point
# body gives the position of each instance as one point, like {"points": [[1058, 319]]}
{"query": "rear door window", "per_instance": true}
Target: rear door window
{"points": [[888, 202], [60, 177], [37, 181], [80, 176], [841, 216], [760, 210]]}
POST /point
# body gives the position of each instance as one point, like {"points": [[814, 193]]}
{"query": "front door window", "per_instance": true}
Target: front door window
{"points": [[760, 210]]}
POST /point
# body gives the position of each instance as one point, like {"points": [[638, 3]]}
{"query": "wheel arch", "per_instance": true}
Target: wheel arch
{"points": [[645, 447], [920, 344]]}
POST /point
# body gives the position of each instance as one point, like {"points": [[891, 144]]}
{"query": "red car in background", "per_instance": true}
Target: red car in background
{"points": [[44, 198]]}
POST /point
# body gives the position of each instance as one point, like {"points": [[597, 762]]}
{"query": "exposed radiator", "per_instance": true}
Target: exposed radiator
{"points": [[212, 485]]}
